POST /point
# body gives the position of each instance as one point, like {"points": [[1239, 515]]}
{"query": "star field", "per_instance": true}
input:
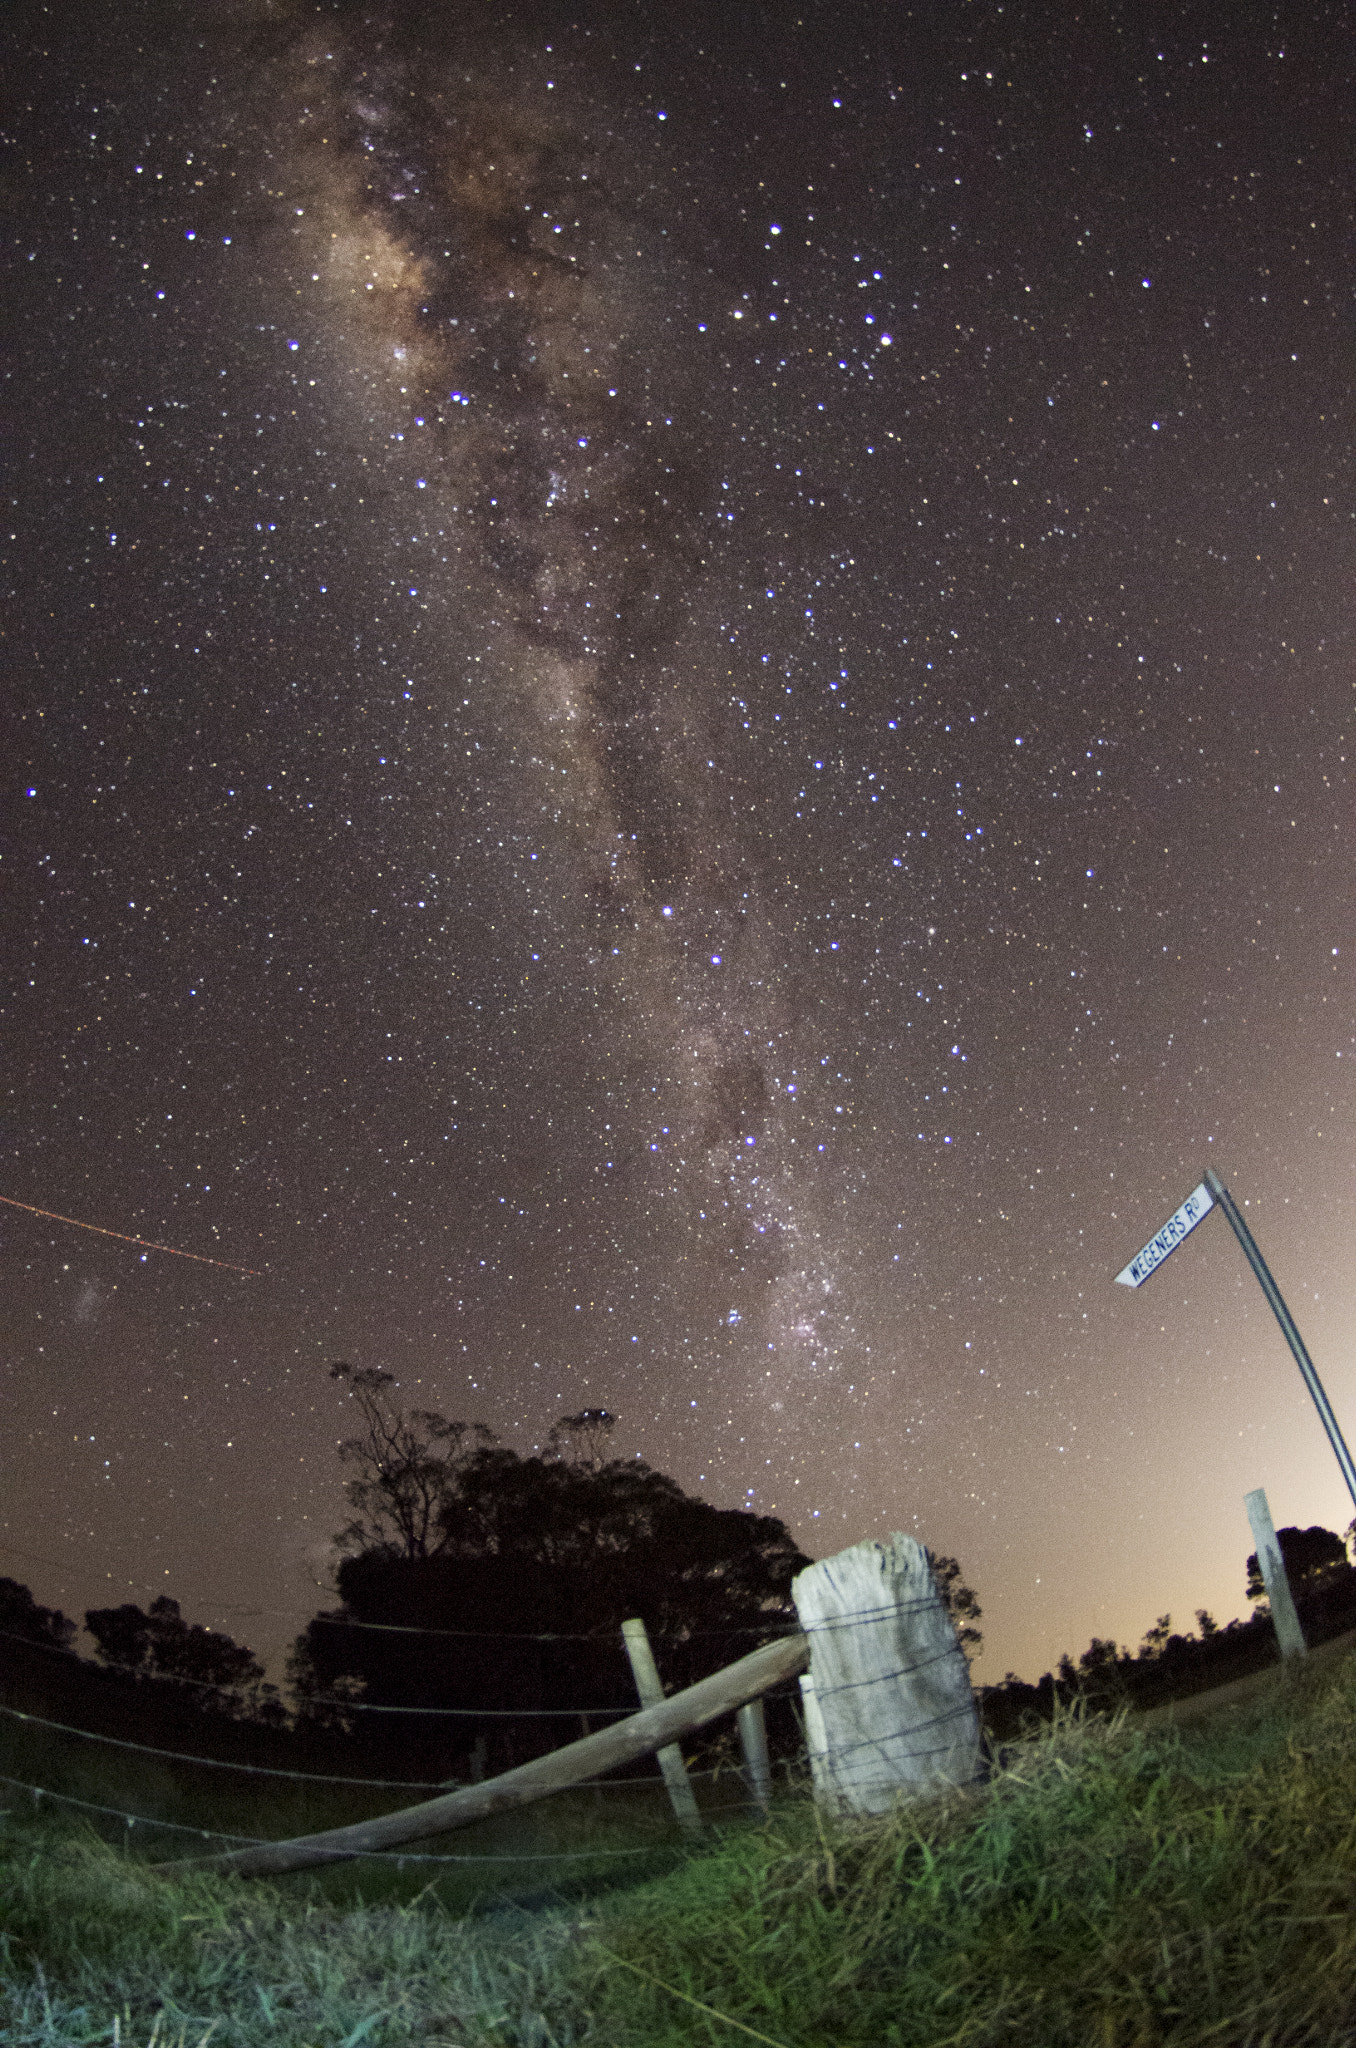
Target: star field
{"points": [[680, 742]]}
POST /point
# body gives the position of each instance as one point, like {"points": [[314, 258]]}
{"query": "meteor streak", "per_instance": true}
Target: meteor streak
{"points": [[173, 1250]]}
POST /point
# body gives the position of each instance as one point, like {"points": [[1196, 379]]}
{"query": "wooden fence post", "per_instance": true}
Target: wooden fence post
{"points": [[752, 1724], [1289, 1634], [637, 1640], [888, 1685]]}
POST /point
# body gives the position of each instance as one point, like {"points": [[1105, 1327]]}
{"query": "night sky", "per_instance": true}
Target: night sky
{"points": [[677, 738]]}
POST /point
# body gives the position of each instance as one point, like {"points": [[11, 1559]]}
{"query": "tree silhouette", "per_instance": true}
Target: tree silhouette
{"points": [[960, 1603], [1156, 1639], [478, 1582], [500, 1582], [1313, 1558], [1169, 1666], [224, 1675], [1101, 1673], [539, 1544], [408, 1467], [20, 1615], [582, 1439]]}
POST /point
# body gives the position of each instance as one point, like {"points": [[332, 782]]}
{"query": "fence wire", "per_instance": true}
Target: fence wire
{"points": [[131, 1820], [215, 1763], [349, 1706], [134, 1820], [772, 1628], [337, 1700], [884, 1743], [886, 1611], [828, 1692], [775, 1626], [240, 1693]]}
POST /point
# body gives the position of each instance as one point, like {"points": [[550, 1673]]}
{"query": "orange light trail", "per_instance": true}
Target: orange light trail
{"points": [[174, 1253]]}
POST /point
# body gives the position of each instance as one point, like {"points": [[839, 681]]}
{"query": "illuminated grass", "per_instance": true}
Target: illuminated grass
{"points": [[99, 1949], [1110, 1889]]}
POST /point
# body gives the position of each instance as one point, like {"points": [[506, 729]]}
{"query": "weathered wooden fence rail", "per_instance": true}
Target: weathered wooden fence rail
{"points": [[651, 1729], [889, 1712]]}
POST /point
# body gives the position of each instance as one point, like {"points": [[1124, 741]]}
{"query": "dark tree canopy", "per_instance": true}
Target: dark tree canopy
{"points": [[162, 1645], [568, 1542], [583, 1439], [1312, 1557], [535, 1546], [455, 1533], [960, 1603], [20, 1615]]}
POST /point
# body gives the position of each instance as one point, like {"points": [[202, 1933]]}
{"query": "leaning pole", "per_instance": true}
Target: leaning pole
{"points": [[639, 1735]]}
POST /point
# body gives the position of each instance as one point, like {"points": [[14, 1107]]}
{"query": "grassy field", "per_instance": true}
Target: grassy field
{"points": [[1111, 1887]]}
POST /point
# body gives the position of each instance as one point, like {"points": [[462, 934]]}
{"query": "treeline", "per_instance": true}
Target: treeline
{"points": [[184, 1688], [480, 1602], [478, 1622], [1171, 1665], [514, 1575]]}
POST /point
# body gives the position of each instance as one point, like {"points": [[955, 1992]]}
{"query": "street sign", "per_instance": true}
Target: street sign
{"points": [[1198, 1203], [1210, 1194]]}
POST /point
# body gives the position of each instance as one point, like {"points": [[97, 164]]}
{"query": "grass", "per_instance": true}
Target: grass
{"points": [[1111, 1887], [99, 1949]]}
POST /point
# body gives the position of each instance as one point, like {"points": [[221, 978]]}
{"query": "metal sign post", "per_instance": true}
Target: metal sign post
{"points": [[1287, 1323], [1197, 1205]]}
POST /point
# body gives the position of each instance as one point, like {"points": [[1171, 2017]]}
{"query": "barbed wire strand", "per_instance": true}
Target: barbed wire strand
{"points": [[41, 1792], [401, 1857], [827, 1692], [352, 1706], [468, 1713], [506, 1635], [223, 1606], [216, 1763], [884, 1743], [306, 1700], [768, 1630], [10, 1635], [319, 1699]]}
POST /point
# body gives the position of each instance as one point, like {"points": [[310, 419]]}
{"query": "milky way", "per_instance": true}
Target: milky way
{"points": [[518, 352], [684, 707]]}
